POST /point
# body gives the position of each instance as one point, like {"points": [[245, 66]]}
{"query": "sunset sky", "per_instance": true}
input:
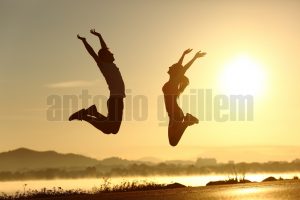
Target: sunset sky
{"points": [[252, 49]]}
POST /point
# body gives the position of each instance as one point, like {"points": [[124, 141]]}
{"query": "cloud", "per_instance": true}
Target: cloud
{"points": [[72, 84]]}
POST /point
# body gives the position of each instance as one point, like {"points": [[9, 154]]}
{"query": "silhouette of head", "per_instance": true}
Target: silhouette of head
{"points": [[105, 55], [175, 69], [176, 74]]}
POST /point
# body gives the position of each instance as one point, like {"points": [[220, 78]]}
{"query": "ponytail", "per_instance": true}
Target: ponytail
{"points": [[182, 84]]}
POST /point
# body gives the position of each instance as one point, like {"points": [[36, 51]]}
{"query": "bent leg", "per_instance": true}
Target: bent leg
{"points": [[110, 124], [177, 125], [115, 113], [106, 126], [175, 131]]}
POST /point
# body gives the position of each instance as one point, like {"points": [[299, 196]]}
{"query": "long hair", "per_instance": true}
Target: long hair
{"points": [[184, 81]]}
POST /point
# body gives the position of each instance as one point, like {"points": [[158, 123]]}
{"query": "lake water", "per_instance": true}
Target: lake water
{"points": [[10, 187]]}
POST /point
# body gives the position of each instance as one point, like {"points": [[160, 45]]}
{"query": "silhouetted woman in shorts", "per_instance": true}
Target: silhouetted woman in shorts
{"points": [[178, 122]]}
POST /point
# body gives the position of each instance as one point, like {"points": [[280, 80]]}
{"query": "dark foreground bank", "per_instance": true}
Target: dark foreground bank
{"points": [[282, 189]]}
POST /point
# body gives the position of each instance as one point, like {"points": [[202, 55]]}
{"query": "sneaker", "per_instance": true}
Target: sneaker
{"points": [[190, 119], [78, 115], [91, 110]]}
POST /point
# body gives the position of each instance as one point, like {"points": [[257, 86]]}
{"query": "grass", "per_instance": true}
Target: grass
{"points": [[107, 187], [104, 188], [127, 186]]}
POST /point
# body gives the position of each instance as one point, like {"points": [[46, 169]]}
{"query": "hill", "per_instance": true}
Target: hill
{"points": [[25, 159]]}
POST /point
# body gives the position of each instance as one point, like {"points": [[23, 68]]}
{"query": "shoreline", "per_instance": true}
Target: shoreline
{"points": [[229, 191], [138, 187], [88, 184]]}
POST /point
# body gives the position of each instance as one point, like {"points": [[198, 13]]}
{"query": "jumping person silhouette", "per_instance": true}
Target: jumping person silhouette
{"points": [[112, 122], [172, 89]]}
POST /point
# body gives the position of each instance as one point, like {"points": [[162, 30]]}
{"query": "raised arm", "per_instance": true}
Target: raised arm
{"points": [[199, 54], [88, 48], [184, 53], [102, 43]]}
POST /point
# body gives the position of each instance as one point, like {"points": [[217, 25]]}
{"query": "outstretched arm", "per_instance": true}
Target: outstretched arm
{"points": [[199, 54], [102, 43], [184, 53], [88, 48]]}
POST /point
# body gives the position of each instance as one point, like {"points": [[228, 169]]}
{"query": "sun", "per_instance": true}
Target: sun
{"points": [[243, 76]]}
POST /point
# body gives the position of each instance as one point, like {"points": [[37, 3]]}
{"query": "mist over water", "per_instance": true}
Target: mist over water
{"points": [[11, 187]]}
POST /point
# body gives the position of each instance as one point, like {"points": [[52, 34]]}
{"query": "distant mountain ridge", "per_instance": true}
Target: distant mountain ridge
{"points": [[23, 159], [26, 164]]}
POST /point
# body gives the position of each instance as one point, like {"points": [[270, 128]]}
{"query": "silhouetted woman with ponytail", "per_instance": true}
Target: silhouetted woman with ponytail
{"points": [[178, 122]]}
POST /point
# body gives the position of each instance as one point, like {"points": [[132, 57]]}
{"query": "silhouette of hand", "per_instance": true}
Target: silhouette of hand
{"points": [[80, 38], [200, 54], [187, 51], [94, 32]]}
